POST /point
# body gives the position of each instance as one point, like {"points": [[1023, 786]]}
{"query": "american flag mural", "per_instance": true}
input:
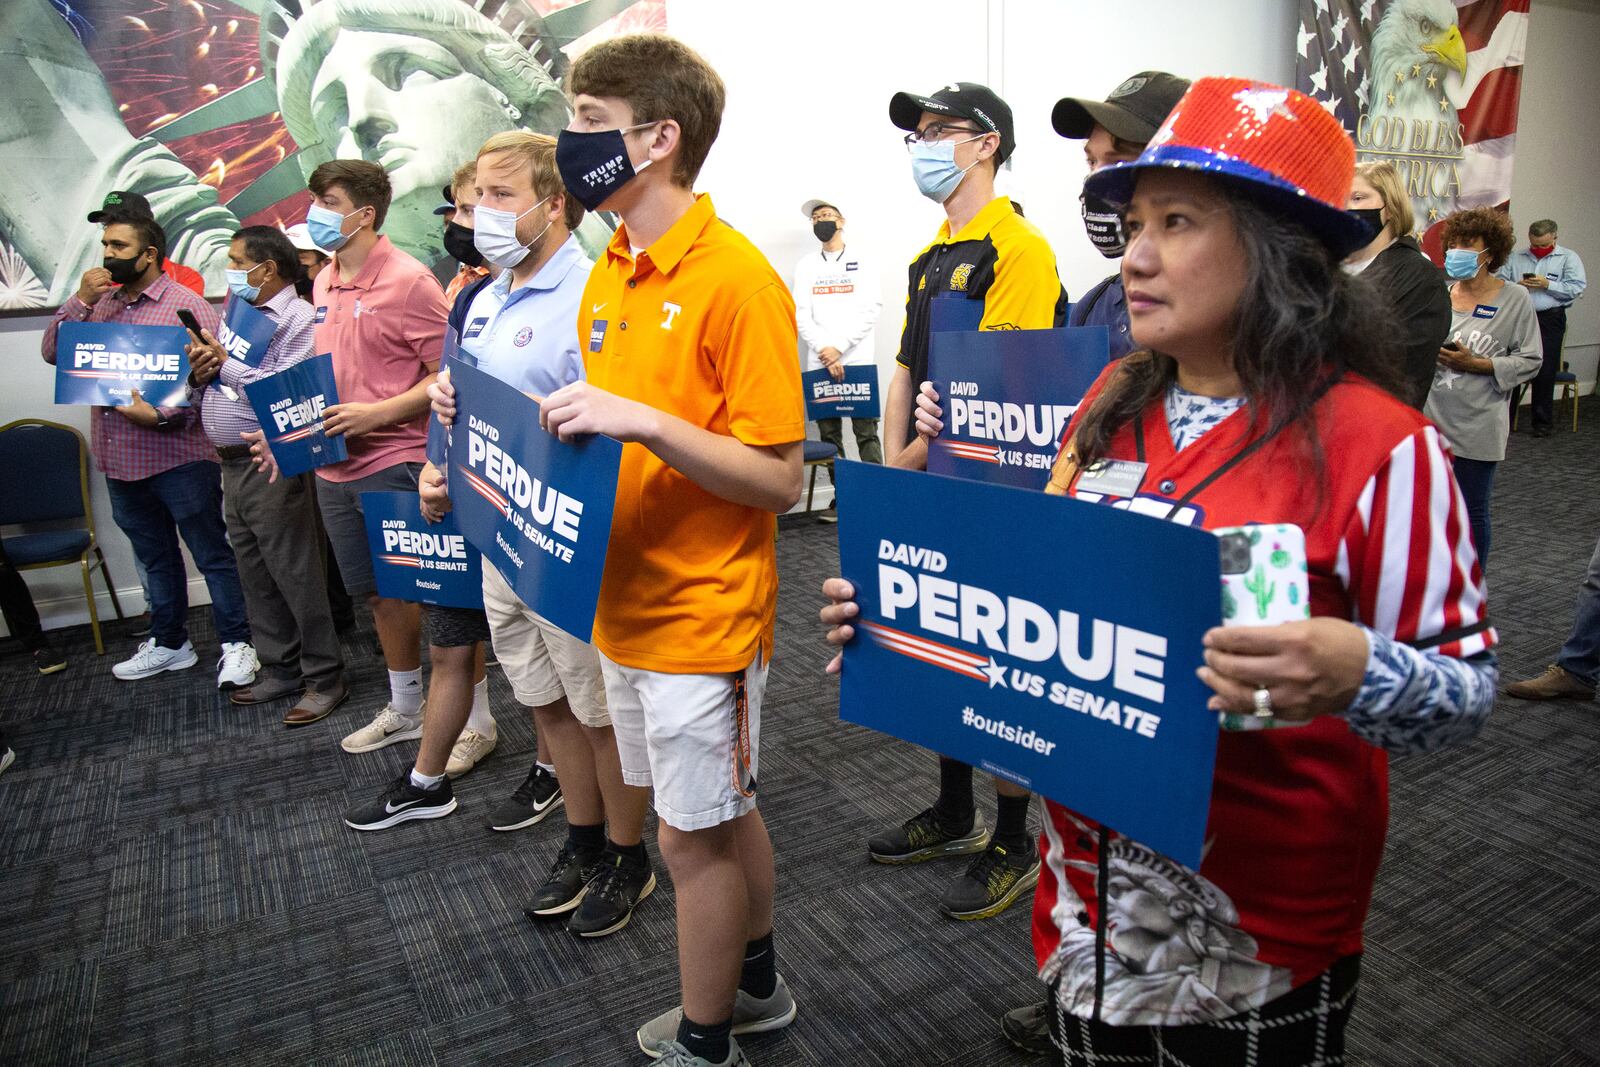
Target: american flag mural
{"points": [[1430, 86]]}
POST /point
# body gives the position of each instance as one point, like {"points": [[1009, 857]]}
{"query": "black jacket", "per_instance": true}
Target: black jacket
{"points": [[1420, 298]]}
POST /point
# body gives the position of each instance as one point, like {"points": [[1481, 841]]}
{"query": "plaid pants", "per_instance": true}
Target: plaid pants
{"points": [[1302, 1028]]}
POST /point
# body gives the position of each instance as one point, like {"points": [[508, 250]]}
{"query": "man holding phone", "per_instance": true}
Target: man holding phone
{"points": [[1554, 278], [161, 471]]}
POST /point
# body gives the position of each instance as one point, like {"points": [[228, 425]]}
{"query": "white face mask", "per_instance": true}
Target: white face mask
{"points": [[494, 234]]}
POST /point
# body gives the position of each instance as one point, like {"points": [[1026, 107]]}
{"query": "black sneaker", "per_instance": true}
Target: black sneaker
{"points": [[537, 796], [613, 892], [994, 881], [922, 837], [139, 626], [400, 802], [48, 660], [1028, 1028], [566, 884]]}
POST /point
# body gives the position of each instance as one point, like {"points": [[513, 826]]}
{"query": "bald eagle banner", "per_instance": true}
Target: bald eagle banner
{"points": [[1429, 86]]}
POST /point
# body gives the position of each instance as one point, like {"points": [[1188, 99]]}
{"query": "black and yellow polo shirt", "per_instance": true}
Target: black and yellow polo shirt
{"points": [[1000, 259]]}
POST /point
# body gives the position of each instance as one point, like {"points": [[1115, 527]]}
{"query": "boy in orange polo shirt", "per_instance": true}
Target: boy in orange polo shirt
{"points": [[689, 341]]}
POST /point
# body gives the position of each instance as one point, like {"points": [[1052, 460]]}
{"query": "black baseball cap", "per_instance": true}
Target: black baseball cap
{"points": [[449, 204], [1134, 111], [967, 100], [119, 202]]}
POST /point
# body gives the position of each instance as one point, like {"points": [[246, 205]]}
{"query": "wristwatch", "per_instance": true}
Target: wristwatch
{"points": [[162, 422]]}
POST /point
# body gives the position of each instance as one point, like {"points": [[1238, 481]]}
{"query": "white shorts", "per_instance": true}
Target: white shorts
{"points": [[694, 737], [542, 661]]}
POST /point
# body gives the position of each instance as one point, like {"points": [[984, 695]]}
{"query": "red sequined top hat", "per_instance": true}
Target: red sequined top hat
{"points": [[1279, 146]]}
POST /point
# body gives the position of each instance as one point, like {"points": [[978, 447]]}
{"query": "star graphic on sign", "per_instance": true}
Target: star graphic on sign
{"points": [[1399, 76], [1269, 102], [1416, 68], [1366, 10], [1330, 105], [1433, 214], [1349, 64], [1303, 37], [1339, 26], [1433, 81], [1391, 100], [1319, 80], [1443, 103], [996, 673], [1322, 6], [1361, 94]]}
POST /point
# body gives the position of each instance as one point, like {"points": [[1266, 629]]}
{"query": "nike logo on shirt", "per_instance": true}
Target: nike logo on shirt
{"points": [[595, 310]]}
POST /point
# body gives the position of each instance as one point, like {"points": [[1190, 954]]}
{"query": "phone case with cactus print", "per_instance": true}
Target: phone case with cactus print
{"points": [[1264, 583]]}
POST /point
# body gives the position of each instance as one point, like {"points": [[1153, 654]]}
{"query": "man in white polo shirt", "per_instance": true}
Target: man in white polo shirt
{"points": [[836, 305]]}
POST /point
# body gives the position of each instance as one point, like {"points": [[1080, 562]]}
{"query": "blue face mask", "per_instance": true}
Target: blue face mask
{"points": [[1461, 263], [934, 168], [239, 284], [326, 227]]}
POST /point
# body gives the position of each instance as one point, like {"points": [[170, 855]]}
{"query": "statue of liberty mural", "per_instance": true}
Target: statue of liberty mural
{"points": [[413, 85]]}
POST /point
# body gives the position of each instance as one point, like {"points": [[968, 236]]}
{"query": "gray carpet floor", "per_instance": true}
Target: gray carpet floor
{"points": [[177, 887]]}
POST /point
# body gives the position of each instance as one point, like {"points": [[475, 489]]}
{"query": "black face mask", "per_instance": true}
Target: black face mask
{"points": [[458, 242], [825, 230], [1103, 223], [1372, 216], [122, 270]]}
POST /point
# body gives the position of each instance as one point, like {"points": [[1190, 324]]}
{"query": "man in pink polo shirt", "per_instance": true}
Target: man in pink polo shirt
{"points": [[382, 315]]}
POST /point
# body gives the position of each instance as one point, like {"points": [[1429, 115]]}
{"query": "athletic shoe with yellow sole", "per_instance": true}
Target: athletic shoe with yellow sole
{"points": [[995, 880]]}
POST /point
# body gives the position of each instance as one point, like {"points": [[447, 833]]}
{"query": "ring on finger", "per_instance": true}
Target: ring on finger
{"points": [[1263, 703]]}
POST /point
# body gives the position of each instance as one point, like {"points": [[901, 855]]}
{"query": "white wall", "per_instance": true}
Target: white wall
{"points": [[809, 117]]}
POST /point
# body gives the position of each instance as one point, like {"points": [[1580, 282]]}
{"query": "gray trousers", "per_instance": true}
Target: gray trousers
{"points": [[868, 447], [277, 539]]}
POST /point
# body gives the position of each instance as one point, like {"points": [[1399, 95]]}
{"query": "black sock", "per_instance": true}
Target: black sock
{"points": [[1011, 824], [954, 807], [587, 838], [710, 1043], [760, 975], [634, 854]]}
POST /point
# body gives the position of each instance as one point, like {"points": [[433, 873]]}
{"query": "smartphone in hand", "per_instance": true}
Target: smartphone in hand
{"points": [[1265, 582], [190, 323]]}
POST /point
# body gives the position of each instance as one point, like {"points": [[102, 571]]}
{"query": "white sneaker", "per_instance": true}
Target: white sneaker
{"points": [[7, 758], [390, 726], [238, 666], [469, 748], [152, 659]]}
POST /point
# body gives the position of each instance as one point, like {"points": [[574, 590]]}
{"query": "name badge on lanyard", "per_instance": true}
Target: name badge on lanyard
{"points": [[1113, 477]]}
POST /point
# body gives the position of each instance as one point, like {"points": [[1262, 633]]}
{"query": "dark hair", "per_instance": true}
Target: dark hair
{"points": [[659, 78], [1490, 225], [263, 243], [364, 183], [147, 229], [1542, 228], [1300, 322]]}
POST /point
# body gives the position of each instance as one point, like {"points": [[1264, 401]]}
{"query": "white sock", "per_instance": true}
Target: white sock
{"points": [[425, 781], [548, 768], [405, 691], [479, 719]]}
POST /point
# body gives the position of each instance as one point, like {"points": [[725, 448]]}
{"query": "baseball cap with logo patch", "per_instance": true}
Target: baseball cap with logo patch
{"points": [[967, 100], [1134, 111], [123, 203]]}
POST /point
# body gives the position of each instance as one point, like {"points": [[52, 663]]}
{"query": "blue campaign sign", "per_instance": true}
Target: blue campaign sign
{"points": [[1068, 668], [438, 449], [949, 314], [245, 332], [289, 405], [104, 362], [856, 397], [538, 508], [1007, 397], [414, 559]]}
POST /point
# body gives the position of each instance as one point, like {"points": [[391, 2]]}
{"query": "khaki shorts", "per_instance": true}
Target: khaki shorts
{"points": [[542, 661], [694, 737]]}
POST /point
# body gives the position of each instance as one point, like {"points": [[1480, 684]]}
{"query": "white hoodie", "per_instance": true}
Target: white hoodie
{"points": [[836, 305]]}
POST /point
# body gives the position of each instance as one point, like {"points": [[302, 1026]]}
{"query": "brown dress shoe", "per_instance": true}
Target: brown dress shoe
{"points": [[315, 706], [1555, 683], [263, 691]]}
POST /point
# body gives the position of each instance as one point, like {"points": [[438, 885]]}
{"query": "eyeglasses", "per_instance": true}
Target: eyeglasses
{"points": [[824, 216], [934, 132]]}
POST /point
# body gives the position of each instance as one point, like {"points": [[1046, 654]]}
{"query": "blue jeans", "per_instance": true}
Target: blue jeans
{"points": [[153, 511], [1580, 656], [1476, 478]]}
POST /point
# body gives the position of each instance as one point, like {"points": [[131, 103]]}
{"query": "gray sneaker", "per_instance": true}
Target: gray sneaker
{"points": [[675, 1055], [750, 1016]]}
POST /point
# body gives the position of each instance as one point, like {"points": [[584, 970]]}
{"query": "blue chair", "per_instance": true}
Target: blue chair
{"points": [[44, 478], [818, 454]]}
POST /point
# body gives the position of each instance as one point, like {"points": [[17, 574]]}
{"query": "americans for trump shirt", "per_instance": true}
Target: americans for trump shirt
{"points": [[836, 305]]}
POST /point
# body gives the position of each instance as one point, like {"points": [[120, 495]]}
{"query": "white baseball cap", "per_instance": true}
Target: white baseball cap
{"points": [[811, 205], [300, 236]]}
